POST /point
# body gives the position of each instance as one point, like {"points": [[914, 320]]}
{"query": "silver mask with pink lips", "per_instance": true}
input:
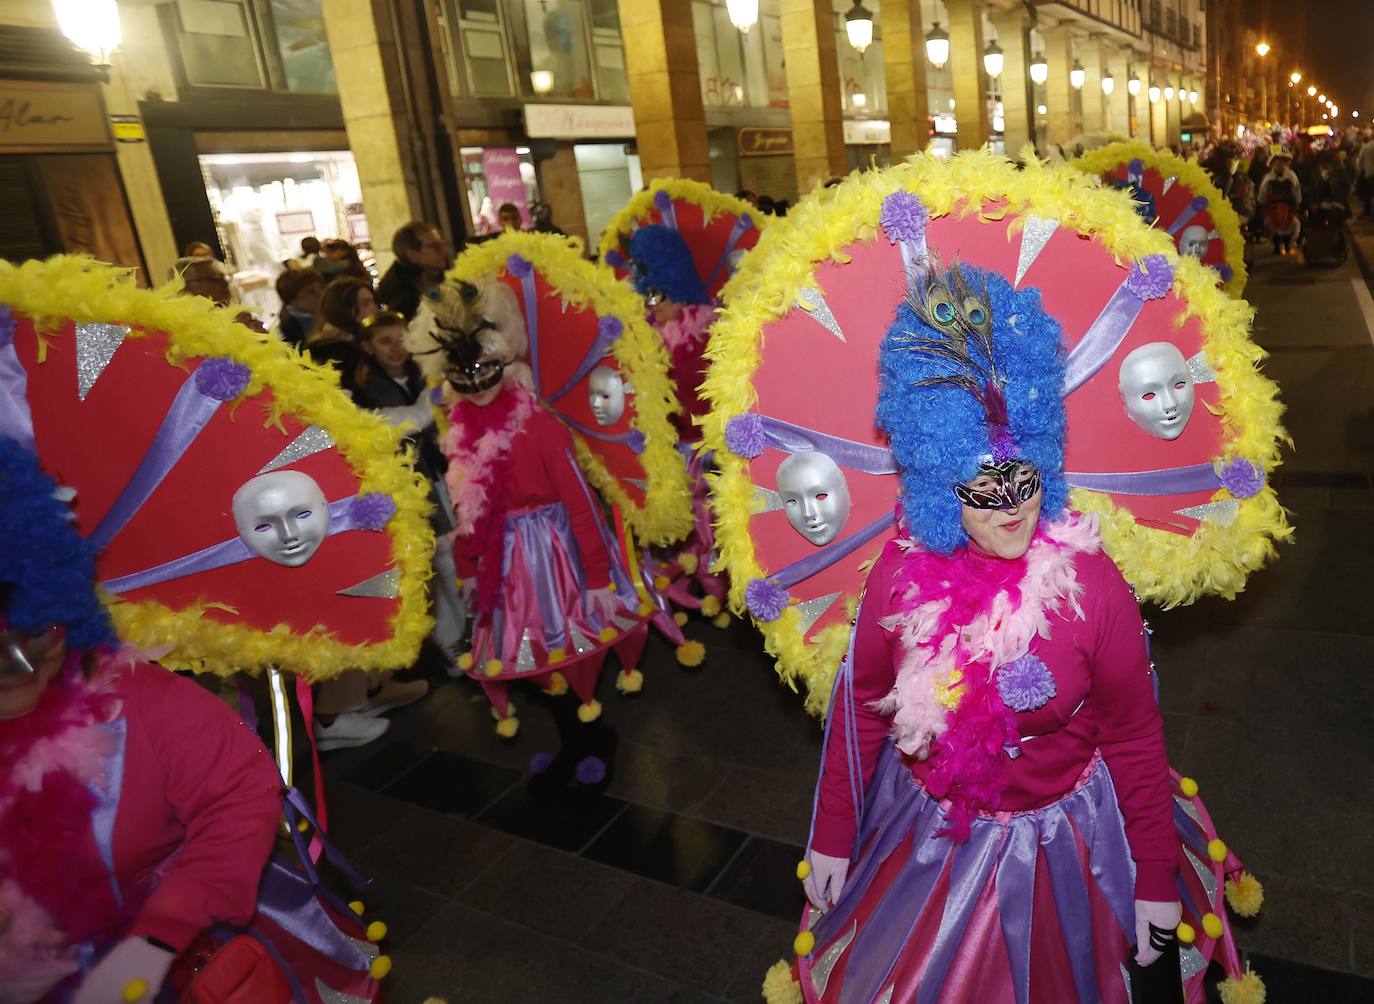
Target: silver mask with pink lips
{"points": [[815, 496], [282, 516], [1157, 389]]}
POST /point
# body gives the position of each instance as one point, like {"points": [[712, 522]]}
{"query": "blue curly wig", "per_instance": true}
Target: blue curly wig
{"points": [[662, 261], [940, 430], [47, 576]]}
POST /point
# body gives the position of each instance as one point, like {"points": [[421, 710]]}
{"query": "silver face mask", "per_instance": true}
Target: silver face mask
{"points": [[606, 393], [282, 516], [1193, 241], [1157, 389], [815, 496]]}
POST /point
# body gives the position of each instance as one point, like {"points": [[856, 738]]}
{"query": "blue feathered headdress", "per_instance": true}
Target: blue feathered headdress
{"points": [[970, 368], [47, 575], [662, 261]]}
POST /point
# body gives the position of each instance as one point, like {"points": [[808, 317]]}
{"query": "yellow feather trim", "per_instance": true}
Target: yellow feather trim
{"points": [[636, 211], [78, 288]]}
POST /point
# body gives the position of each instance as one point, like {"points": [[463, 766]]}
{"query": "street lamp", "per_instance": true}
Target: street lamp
{"points": [[744, 14], [1039, 68], [1134, 84], [1296, 77], [1108, 83], [1192, 97], [541, 81], [1321, 98], [91, 25], [858, 25], [858, 99], [1077, 76], [1153, 93], [1311, 92], [993, 59], [937, 43], [1263, 49], [1169, 93]]}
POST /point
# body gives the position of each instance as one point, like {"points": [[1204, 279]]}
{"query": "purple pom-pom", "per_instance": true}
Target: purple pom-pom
{"points": [[903, 217], [436, 395], [765, 600], [1242, 478], [1198, 204], [615, 259], [540, 763], [634, 439], [6, 327], [371, 511], [747, 221], [1025, 683], [590, 770], [1136, 167], [518, 266], [1226, 272], [663, 202], [221, 379], [745, 437], [609, 328], [1150, 278]]}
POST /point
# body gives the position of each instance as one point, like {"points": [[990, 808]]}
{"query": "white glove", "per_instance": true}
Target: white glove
{"points": [[131, 959], [603, 603], [420, 414], [825, 881], [1164, 916]]}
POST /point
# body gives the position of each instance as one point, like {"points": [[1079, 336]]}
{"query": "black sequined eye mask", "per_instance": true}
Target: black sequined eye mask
{"points": [[1014, 486]]}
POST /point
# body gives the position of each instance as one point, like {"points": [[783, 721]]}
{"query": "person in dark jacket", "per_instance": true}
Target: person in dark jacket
{"points": [[346, 304], [300, 291], [422, 258]]}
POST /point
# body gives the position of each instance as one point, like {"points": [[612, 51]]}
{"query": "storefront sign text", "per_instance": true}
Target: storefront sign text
{"points": [[501, 169], [755, 142], [579, 121], [38, 114], [860, 131]]}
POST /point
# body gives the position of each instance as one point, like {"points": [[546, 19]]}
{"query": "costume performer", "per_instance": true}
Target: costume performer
{"points": [[995, 819], [679, 242], [237, 514]]}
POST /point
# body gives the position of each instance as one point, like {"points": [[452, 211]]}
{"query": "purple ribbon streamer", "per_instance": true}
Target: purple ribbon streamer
{"points": [[606, 437], [1169, 481], [1015, 884], [589, 362], [535, 530], [973, 864], [663, 202], [16, 421], [189, 414], [1184, 218], [743, 225], [801, 570], [1072, 907], [1135, 172], [845, 452], [1102, 339], [532, 321]]}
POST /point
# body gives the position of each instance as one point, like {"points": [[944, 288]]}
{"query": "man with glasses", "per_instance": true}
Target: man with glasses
{"points": [[422, 257]]}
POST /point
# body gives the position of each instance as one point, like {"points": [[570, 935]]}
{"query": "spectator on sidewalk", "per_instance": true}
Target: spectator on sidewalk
{"points": [[422, 258], [300, 291], [1364, 167], [346, 304]]}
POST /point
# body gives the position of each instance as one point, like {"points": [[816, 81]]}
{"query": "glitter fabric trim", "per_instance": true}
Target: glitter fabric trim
{"points": [[814, 305], [95, 347]]}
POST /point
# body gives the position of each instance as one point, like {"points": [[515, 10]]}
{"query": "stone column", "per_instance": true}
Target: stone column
{"points": [[1094, 101], [904, 66], [1018, 104], [1058, 90], [1119, 102], [970, 79], [665, 88], [1159, 125], [1175, 112], [147, 205], [813, 89]]}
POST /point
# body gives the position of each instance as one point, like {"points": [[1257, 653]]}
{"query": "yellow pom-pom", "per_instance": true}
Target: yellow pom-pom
{"points": [[1216, 849], [645, 609], [557, 685], [492, 668], [721, 620], [607, 634], [631, 681], [557, 655], [710, 605], [779, 987], [1188, 786], [691, 654], [1245, 894], [506, 728], [804, 943], [589, 712], [376, 931], [135, 990], [357, 907], [680, 619], [610, 586], [661, 582], [803, 868], [302, 826], [465, 661], [1212, 926], [381, 965], [1249, 989], [1186, 934], [688, 562]]}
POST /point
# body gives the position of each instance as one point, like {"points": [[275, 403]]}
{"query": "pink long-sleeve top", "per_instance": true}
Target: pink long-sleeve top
{"points": [[1104, 700], [541, 468]]}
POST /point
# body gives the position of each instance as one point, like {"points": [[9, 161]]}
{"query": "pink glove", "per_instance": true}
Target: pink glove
{"points": [[1164, 916], [825, 881], [131, 959]]}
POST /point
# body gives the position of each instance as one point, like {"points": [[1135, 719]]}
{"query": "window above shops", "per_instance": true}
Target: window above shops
{"points": [[276, 45]]}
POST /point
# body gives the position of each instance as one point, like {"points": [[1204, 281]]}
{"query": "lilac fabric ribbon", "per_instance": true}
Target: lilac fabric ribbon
{"points": [[663, 202], [626, 438], [605, 338], [536, 529], [1184, 218], [1135, 172], [226, 552], [845, 452], [1102, 339], [532, 321], [16, 421], [820, 560], [1169, 481], [189, 414], [743, 225]]}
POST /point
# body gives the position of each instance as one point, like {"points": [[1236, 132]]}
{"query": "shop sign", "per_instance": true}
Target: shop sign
{"points": [[127, 129], [579, 121], [501, 170], [754, 141], [39, 114], [870, 131]]}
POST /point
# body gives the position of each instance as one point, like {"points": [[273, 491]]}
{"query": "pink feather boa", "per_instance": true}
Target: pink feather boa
{"points": [[961, 616], [689, 329]]}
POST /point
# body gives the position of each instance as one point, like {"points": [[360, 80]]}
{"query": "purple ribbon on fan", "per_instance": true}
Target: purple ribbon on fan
{"points": [[819, 561], [743, 225], [792, 438], [16, 422], [663, 202], [608, 329], [524, 271], [1184, 218], [1169, 481], [634, 439], [1148, 279]]}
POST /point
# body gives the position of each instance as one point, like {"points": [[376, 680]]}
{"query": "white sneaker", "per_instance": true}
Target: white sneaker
{"points": [[350, 729]]}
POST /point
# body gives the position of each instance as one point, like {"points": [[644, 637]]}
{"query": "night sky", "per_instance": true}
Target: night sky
{"points": [[1330, 41]]}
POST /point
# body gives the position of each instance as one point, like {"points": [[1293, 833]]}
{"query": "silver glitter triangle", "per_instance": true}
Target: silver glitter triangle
{"points": [[95, 347], [1034, 236], [1222, 513], [766, 500], [641, 485], [1205, 875], [1126, 981], [811, 610], [825, 962], [1169, 183], [1201, 369], [382, 586], [524, 658], [307, 443], [369, 950], [812, 301], [1186, 804], [581, 644], [1213, 235], [328, 995], [624, 624], [1190, 961], [886, 998]]}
